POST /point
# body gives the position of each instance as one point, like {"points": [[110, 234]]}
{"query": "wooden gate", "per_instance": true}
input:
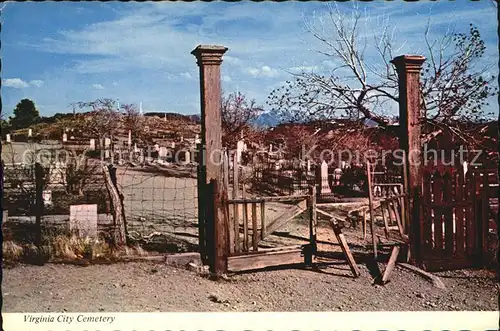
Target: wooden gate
{"points": [[248, 225], [455, 220]]}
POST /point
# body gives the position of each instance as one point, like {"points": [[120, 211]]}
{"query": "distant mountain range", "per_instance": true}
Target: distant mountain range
{"points": [[266, 120]]}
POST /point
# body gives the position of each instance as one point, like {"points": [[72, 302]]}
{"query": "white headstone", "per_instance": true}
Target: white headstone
{"points": [[240, 145], [197, 139], [83, 220], [308, 164], [187, 157], [30, 132], [65, 137], [466, 168], [129, 138], [72, 137], [163, 152], [92, 144], [182, 138], [325, 187], [270, 147], [47, 197], [106, 154], [107, 142], [172, 145], [8, 138], [136, 150]]}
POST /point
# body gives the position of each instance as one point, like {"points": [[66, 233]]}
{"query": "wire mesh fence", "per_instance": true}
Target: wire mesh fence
{"points": [[72, 195]]}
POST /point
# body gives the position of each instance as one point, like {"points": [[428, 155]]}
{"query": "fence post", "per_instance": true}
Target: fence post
{"points": [[209, 59], [485, 219], [312, 219], [119, 232], [39, 183], [408, 68]]}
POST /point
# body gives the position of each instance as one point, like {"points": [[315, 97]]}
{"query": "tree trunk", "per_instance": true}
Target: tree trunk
{"points": [[119, 231]]}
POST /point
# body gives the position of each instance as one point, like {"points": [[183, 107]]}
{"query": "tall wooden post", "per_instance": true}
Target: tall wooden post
{"points": [[39, 204], [209, 59], [410, 116]]}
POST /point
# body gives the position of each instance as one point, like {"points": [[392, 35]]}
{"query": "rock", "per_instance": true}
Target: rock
{"points": [[420, 295]]}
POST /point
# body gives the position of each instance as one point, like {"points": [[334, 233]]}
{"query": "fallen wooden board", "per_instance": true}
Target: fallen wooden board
{"points": [[345, 248], [435, 280], [391, 264], [263, 259]]}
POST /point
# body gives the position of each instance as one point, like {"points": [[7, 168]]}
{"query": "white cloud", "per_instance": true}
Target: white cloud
{"points": [[98, 86], [36, 83], [264, 71], [226, 79], [15, 83], [186, 75]]}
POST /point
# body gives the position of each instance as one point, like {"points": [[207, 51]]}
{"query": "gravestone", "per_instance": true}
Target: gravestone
{"points": [[92, 144], [308, 164], [129, 138], [325, 187], [240, 146], [64, 137], [197, 139], [57, 173], [83, 220], [270, 147], [162, 152], [8, 138], [187, 157], [136, 150], [337, 174], [182, 138], [107, 142], [466, 168], [172, 145], [30, 132], [47, 197]]}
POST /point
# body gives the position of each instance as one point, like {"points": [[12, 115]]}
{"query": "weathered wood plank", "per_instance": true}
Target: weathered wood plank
{"points": [[372, 216], [391, 264], [255, 230], [435, 280], [459, 215], [345, 248], [263, 223], [264, 259]]}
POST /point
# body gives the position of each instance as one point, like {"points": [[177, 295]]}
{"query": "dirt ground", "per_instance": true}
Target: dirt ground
{"points": [[150, 287]]}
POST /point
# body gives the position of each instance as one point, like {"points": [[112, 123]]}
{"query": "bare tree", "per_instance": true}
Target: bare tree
{"points": [[454, 88], [237, 115], [102, 121]]}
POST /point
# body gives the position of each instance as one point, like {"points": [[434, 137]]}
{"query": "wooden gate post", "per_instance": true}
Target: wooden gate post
{"points": [[209, 59], [39, 204], [408, 68]]}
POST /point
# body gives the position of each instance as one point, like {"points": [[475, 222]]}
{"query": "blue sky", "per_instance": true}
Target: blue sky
{"points": [[56, 53]]}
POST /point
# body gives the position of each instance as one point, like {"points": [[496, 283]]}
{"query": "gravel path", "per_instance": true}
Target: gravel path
{"points": [[153, 287]]}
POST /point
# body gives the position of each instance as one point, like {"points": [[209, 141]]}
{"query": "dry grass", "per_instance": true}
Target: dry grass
{"points": [[12, 251], [67, 248]]}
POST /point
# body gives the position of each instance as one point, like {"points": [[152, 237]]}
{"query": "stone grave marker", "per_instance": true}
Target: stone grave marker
{"points": [[8, 138], [92, 144], [30, 132], [325, 187], [47, 197], [240, 146], [83, 220], [64, 137]]}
